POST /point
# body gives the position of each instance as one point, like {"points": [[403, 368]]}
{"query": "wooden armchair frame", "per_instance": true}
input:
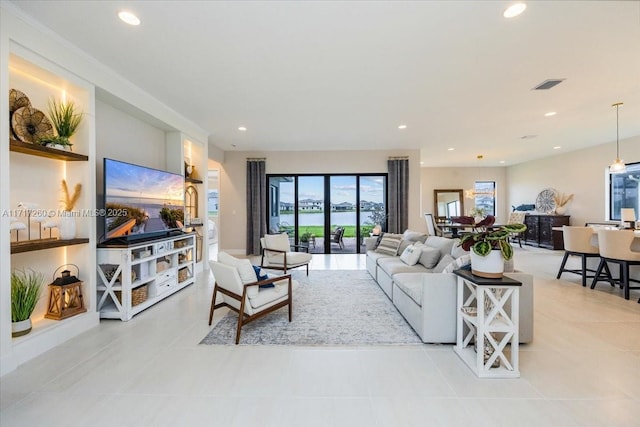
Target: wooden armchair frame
{"points": [[285, 266], [244, 318]]}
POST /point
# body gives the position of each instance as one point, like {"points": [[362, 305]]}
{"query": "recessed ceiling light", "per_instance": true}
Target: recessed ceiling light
{"points": [[402, 127], [514, 10], [233, 145], [557, 147], [450, 149], [422, 163], [128, 17], [550, 113], [501, 161], [242, 128]]}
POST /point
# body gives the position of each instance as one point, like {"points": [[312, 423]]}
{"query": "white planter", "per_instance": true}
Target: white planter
{"points": [[560, 210], [20, 328], [490, 266], [67, 227]]}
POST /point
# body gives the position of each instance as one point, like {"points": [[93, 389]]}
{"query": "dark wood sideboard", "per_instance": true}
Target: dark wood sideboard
{"points": [[540, 231]]}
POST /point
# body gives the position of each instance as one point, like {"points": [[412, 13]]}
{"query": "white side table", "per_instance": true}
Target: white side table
{"points": [[492, 325]]}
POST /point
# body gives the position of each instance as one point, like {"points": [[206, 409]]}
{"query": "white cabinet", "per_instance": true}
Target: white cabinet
{"points": [[483, 318], [133, 277]]}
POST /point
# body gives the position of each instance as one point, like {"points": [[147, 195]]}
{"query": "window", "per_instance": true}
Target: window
{"points": [[624, 191], [485, 196]]}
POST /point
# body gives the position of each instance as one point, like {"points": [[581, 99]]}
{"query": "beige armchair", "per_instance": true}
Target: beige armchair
{"points": [[277, 254], [236, 281]]}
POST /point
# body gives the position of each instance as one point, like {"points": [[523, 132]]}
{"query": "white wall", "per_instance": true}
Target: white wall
{"points": [[581, 173], [233, 182]]}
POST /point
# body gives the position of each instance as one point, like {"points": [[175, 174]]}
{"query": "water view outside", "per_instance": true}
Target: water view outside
{"points": [[342, 204]]}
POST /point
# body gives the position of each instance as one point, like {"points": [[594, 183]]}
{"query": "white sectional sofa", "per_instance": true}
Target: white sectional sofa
{"points": [[426, 297]]}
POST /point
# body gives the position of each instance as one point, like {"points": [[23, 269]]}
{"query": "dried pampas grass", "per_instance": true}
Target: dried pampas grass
{"points": [[70, 201], [562, 199]]}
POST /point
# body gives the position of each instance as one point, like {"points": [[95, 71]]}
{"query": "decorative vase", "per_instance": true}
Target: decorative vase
{"points": [[490, 266], [20, 328], [560, 210], [67, 226]]}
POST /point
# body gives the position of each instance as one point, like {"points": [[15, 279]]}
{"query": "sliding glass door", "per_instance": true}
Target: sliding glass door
{"points": [[327, 213]]}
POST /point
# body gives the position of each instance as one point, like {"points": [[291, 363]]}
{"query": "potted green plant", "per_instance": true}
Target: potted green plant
{"points": [[26, 287], [489, 248], [66, 120]]}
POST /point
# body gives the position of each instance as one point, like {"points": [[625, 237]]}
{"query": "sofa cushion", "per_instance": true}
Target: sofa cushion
{"points": [[444, 261], [404, 244], [411, 284], [393, 265], [389, 244], [414, 236], [429, 256], [463, 261], [411, 255], [442, 243]]}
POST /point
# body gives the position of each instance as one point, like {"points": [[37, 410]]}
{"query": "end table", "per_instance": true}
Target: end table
{"points": [[492, 326]]}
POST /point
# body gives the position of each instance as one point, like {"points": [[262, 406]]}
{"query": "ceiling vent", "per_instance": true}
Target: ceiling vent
{"points": [[548, 84]]}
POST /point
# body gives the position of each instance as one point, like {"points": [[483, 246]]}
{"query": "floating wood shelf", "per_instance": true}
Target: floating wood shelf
{"points": [[193, 180], [36, 245], [50, 153]]}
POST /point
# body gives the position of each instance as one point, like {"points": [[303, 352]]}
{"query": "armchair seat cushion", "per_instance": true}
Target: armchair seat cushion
{"points": [[272, 296], [293, 259]]}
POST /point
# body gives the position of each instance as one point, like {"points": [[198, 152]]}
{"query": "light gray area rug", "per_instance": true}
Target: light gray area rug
{"points": [[336, 307]]}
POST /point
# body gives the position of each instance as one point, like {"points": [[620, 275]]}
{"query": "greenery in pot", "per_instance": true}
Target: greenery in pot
{"points": [[483, 242], [26, 287], [66, 121]]}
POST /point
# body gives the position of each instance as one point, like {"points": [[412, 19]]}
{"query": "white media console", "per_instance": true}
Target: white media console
{"points": [[134, 276]]}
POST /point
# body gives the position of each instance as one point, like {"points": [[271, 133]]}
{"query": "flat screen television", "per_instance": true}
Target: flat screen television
{"points": [[141, 202]]}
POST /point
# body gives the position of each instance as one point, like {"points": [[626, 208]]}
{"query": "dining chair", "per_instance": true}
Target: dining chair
{"points": [[577, 242], [615, 247]]}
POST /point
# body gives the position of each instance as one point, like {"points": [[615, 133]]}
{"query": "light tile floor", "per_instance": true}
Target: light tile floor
{"points": [[583, 369]]}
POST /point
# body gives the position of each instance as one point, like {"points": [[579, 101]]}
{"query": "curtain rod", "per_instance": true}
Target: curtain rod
{"points": [[399, 158], [256, 159]]}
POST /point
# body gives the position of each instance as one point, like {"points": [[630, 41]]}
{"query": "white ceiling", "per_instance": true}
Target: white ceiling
{"points": [[344, 75]]}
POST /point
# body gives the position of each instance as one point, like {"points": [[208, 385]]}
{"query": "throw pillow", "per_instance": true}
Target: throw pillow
{"points": [[444, 261], [261, 275], [411, 255], [429, 257], [389, 244], [457, 251], [462, 262]]}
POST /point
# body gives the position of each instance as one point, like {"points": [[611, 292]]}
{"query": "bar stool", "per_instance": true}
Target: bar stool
{"points": [[577, 242], [615, 246]]}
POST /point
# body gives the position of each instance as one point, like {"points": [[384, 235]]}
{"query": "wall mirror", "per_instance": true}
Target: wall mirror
{"points": [[448, 203]]}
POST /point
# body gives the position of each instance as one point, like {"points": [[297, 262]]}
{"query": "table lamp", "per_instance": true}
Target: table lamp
{"points": [[628, 216]]}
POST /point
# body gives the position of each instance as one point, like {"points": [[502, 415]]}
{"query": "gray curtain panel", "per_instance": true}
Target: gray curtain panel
{"points": [[256, 204], [398, 194]]}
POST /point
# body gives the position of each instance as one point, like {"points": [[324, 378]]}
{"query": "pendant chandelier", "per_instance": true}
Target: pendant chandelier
{"points": [[618, 166]]}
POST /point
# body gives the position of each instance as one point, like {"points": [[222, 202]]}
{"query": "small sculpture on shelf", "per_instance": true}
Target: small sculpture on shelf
{"points": [[17, 226]]}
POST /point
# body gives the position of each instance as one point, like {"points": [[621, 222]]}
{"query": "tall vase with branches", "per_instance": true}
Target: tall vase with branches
{"points": [[67, 221]]}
